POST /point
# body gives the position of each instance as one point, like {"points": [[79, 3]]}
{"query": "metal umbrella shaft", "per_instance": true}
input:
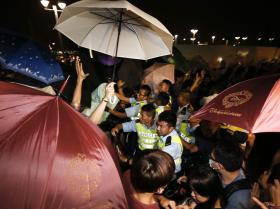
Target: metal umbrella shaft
{"points": [[117, 46]]}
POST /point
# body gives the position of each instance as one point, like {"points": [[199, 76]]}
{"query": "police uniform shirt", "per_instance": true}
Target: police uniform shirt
{"points": [[135, 109], [174, 149], [131, 126], [183, 113]]}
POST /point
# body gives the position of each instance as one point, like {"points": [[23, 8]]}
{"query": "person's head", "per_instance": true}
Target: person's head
{"points": [[147, 114], [162, 99], [183, 98], [165, 85], [152, 171], [209, 128], [166, 122], [144, 93], [227, 155], [205, 185]]}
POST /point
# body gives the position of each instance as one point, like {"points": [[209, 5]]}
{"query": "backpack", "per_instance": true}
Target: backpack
{"points": [[233, 187]]}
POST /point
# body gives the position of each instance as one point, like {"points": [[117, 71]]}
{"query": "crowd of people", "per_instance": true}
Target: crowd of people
{"points": [[170, 159]]}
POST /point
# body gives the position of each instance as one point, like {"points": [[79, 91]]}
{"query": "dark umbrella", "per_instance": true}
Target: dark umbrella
{"points": [[52, 157], [20, 54]]}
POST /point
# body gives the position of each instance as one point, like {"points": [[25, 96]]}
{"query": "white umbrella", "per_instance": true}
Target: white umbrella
{"points": [[116, 28]]}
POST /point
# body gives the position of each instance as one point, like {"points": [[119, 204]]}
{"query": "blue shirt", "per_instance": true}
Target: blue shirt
{"points": [[240, 199], [133, 110], [174, 149], [130, 126]]}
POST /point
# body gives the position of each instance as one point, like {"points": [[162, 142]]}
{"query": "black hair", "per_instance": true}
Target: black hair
{"points": [[152, 170], [168, 82], [169, 117], [147, 89], [229, 154], [149, 109], [163, 98], [205, 181]]}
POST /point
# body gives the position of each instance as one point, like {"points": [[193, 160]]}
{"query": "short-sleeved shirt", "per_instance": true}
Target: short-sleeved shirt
{"points": [[174, 149]]}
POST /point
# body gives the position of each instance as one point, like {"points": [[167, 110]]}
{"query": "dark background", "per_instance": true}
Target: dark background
{"points": [[220, 18]]}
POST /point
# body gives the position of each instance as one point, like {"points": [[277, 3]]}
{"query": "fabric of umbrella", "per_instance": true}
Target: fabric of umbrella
{"points": [[53, 157], [20, 54], [156, 73], [116, 28], [253, 105]]}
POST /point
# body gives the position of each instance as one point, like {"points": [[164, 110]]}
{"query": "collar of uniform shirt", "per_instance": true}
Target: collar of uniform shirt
{"points": [[172, 133]]}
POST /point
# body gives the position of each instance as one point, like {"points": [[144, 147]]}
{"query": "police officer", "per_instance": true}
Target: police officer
{"points": [[170, 140], [145, 128]]}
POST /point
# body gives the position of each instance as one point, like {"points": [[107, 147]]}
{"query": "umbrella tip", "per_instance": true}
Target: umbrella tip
{"points": [[63, 86]]}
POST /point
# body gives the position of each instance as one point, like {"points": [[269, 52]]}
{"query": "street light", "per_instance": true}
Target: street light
{"points": [[237, 39], [194, 31], [61, 5], [213, 39], [244, 38], [192, 39], [175, 38]]}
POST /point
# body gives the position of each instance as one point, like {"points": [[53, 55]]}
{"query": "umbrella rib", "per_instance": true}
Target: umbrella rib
{"points": [[133, 30], [135, 24], [82, 40], [133, 18], [110, 18]]}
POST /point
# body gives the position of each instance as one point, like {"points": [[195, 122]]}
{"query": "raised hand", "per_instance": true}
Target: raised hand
{"points": [[80, 71]]}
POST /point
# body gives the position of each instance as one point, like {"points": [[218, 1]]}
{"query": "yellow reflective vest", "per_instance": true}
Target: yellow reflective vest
{"points": [[147, 138], [185, 134]]}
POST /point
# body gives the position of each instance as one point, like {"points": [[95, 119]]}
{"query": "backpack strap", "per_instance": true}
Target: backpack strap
{"points": [[233, 187]]}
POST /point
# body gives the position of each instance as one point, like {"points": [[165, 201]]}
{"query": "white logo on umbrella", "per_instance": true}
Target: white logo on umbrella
{"points": [[237, 98]]}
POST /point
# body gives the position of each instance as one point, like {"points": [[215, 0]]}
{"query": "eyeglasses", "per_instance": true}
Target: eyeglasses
{"points": [[211, 161]]}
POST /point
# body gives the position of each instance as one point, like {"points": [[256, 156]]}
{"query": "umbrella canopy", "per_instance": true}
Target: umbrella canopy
{"points": [[116, 28], [156, 73], [51, 156], [253, 105], [20, 54]]}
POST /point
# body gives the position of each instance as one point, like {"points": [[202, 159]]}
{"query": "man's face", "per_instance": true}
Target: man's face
{"points": [[163, 128], [141, 95], [146, 119], [181, 100], [163, 87]]}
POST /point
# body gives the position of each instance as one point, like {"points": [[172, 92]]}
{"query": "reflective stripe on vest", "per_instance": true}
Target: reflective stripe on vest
{"points": [[184, 134], [159, 109], [147, 138]]}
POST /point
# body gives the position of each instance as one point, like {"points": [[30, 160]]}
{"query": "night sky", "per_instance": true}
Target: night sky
{"points": [[230, 19]]}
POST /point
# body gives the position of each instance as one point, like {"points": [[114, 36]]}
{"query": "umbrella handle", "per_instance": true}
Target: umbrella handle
{"points": [[113, 100], [63, 86]]}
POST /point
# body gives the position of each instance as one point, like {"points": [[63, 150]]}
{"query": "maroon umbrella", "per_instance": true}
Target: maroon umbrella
{"points": [[52, 157], [253, 105]]}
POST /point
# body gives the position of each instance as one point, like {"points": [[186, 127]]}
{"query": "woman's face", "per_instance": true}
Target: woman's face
{"points": [[199, 198]]}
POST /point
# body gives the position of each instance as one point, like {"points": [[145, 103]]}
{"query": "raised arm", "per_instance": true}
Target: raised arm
{"points": [[96, 116], [81, 76]]}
